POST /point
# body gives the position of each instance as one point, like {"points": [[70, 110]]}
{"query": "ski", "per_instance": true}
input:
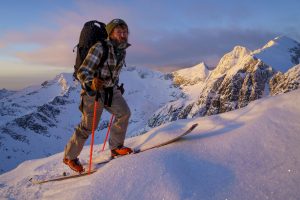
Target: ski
{"points": [[139, 150], [60, 178], [97, 164]]}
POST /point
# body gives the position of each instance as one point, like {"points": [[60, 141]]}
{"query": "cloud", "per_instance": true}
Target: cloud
{"points": [[55, 44], [166, 39], [17, 75], [194, 45], [149, 48]]}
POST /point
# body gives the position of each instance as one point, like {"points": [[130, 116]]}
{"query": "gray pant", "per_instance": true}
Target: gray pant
{"points": [[119, 108]]}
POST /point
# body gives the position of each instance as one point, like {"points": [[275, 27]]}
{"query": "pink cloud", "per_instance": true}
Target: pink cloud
{"points": [[56, 44], [56, 54], [55, 47]]}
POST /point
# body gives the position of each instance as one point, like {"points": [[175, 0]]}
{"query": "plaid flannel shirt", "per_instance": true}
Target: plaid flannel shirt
{"points": [[109, 72]]}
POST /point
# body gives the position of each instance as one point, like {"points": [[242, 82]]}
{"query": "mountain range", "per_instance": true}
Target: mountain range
{"points": [[241, 76], [38, 120]]}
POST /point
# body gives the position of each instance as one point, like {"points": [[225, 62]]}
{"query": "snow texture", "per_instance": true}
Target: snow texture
{"points": [[287, 53], [251, 153]]}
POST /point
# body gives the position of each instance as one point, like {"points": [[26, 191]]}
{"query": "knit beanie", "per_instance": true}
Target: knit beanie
{"points": [[113, 23]]}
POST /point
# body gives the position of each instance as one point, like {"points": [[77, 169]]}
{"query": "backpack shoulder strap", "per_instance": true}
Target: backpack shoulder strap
{"points": [[103, 57], [105, 54]]}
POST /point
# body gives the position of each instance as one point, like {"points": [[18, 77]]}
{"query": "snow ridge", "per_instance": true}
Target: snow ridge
{"points": [[287, 53]]}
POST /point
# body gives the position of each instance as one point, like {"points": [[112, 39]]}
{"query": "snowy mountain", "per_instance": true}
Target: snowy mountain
{"points": [[239, 78], [35, 118], [191, 75], [5, 93], [287, 53], [251, 153]]}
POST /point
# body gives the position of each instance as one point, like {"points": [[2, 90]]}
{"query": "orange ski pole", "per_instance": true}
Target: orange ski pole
{"points": [[108, 131], [93, 130]]}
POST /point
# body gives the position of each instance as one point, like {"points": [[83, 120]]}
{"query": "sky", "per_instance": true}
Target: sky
{"points": [[37, 37]]}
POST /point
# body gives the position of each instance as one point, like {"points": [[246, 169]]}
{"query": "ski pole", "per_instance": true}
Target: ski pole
{"points": [[108, 131], [121, 88], [93, 130]]}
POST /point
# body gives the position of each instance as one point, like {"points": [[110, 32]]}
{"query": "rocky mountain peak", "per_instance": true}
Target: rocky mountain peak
{"points": [[230, 60], [191, 75], [240, 77]]}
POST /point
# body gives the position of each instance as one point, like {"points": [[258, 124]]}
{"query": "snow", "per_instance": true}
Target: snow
{"points": [[145, 92], [279, 46], [191, 80], [196, 73], [231, 60], [250, 153], [28, 99]]}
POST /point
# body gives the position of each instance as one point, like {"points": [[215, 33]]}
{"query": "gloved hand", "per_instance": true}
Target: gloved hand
{"points": [[121, 88], [97, 84]]}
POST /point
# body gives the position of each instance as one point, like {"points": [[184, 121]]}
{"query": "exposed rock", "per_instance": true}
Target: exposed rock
{"points": [[282, 83], [238, 79], [6, 130]]}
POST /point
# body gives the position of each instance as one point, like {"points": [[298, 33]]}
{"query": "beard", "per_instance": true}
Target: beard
{"points": [[120, 44]]}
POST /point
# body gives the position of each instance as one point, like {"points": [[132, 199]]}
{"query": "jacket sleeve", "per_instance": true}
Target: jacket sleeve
{"points": [[90, 66]]}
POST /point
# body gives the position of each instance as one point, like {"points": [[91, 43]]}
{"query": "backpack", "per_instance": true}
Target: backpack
{"points": [[91, 33]]}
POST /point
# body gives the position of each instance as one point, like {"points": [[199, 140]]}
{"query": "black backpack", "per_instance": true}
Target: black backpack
{"points": [[91, 33]]}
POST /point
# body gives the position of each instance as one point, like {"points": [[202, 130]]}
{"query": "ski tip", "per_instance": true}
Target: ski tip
{"points": [[136, 150], [194, 126]]}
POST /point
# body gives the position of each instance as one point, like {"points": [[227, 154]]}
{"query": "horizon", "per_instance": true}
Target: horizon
{"points": [[36, 46]]}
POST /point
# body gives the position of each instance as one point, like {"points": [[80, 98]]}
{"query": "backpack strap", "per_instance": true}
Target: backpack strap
{"points": [[103, 60], [103, 57]]}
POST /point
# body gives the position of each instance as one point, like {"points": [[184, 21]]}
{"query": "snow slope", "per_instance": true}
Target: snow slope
{"points": [[250, 153], [287, 53]]}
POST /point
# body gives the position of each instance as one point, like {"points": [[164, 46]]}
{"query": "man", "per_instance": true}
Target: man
{"points": [[111, 98]]}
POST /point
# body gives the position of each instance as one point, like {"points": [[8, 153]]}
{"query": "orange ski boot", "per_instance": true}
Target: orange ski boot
{"points": [[120, 151], [74, 164]]}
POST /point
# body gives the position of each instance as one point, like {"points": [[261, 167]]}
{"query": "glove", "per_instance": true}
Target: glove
{"points": [[97, 84], [121, 88]]}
